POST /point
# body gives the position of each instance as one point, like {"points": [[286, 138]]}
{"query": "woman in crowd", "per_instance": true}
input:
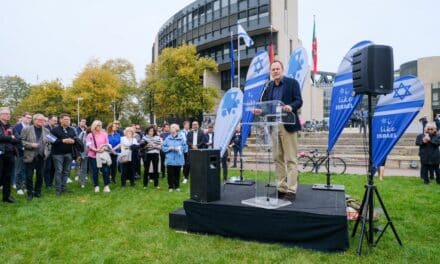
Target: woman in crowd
{"points": [[98, 154], [114, 138], [127, 141], [152, 144], [174, 146], [429, 153]]}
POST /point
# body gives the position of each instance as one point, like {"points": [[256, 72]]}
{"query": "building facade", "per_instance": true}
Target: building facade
{"points": [[208, 24]]}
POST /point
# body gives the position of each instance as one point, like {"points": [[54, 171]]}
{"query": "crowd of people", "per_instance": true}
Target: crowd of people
{"points": [[40, 150]]}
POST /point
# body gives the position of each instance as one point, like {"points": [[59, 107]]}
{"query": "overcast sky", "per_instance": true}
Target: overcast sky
{"points": [[49, 39]]}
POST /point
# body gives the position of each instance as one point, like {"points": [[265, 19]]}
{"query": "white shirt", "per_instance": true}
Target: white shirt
{"points": [[195, 138], [210, 140]]}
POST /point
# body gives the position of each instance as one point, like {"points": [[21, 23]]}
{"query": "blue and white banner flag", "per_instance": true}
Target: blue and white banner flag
{"points": [[228, 117], [393, 114], [257, 77], [243, 34], [343, 102], [298, 66]]}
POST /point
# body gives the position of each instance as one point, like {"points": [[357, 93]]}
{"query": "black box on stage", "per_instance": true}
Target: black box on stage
{"points": [[205, 175], [373, 70]]}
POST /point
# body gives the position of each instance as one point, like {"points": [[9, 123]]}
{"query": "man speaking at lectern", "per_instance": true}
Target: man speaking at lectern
{"points": [[286, 90]]}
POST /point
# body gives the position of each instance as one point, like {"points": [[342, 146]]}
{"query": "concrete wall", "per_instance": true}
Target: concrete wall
{"points": [[428, 71], [286, 24]]}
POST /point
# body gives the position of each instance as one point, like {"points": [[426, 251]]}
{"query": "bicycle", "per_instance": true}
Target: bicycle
{"points": [[316, 162]]}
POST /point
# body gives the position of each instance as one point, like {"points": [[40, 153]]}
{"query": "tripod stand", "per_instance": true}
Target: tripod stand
{"points": [[366, 212]]}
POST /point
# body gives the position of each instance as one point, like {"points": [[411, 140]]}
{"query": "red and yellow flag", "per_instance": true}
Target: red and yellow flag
{"points": [[314, 49]]}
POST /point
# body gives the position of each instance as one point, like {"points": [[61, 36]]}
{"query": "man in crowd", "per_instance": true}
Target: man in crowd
{"points": [[20, 174], [118, 127], [196, 138], [82, 126], [36, 148], [8, 144], [287, 90], [62, 150], [49, 167]]}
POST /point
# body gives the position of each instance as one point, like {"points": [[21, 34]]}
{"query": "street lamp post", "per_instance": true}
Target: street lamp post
{"points": [[77, 108], [114, 110]]}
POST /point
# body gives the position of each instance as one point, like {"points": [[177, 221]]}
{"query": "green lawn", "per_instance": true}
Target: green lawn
{"points": [[131, 226]]}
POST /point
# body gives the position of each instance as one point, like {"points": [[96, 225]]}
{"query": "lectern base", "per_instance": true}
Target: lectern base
{"points": [[325, 187], [266, 202]]}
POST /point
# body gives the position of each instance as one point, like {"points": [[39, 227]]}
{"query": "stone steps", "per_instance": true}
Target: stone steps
{"points": [[349, 147]]}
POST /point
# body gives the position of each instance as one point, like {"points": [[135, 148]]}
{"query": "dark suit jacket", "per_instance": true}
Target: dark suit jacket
{"points": [[201, 139], [17, 134], [291, 96]]}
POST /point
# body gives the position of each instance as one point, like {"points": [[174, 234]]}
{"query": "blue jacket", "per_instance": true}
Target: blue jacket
{"points": [[174, 157]]}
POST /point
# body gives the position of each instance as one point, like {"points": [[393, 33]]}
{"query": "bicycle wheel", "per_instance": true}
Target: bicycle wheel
{"points": [[337, 165], [305, 164]]}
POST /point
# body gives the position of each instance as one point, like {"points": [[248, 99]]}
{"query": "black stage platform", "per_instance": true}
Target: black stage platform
{"points": [[316, 220]]}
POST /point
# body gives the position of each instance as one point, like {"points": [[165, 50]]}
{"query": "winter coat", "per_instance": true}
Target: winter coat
{"points": [[429, 152], [174, 157]]}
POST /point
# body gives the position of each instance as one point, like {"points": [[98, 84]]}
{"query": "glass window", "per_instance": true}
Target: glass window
{"points": [[253, 14], [264, 8], [242, 17], [233, 2], [242, 4], [224, 3], [216, 5]]}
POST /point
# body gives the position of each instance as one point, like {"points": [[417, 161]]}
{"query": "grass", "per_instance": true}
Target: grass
{"points": [[131, 226]]}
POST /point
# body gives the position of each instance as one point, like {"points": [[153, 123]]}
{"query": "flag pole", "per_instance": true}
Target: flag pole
{"points": [[238, 59], [232, 50]]}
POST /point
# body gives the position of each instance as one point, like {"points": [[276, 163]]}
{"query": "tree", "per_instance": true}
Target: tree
{"points": [[128, 89], [98, 88], [174, 84], [12, 91], [46, 98]]}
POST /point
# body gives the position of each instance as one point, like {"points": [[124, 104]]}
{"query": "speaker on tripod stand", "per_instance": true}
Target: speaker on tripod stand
{"points": [[373, 74]]}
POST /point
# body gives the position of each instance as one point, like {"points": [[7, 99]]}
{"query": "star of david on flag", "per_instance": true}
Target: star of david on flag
{"points": [[258, 66], [402, 91], [243, 34]]}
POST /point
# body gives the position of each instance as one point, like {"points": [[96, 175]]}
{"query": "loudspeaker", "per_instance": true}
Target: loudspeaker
{"points": [[205, 175], [373, 70]]}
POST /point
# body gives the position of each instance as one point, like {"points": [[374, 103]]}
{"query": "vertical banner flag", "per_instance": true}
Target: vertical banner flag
{"points": [[271, 53], [343, 102], [314, 49], [228, 116], [256, 79], [243, 34], [298, 66], [393, 114], [232, 59]]}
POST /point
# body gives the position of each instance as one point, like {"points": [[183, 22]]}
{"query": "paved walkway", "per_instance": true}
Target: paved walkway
{"points": [[363, 171]]}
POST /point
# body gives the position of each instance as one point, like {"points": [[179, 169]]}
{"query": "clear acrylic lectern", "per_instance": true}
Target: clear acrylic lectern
{"points": [[269, 116]]}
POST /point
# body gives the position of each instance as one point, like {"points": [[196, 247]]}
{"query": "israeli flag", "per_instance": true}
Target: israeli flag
{"points": [[257, 78], [343, 102], [243, 34], [393, 114], [298, 66], [228, 116]]}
